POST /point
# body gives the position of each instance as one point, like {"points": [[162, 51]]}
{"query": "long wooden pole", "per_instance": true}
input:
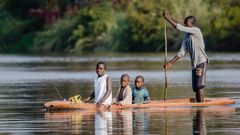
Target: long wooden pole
{"points": [[165, 60]]}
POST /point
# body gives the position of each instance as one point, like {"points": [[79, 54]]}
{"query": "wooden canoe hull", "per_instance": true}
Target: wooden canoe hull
{"points": [[187, 102]]}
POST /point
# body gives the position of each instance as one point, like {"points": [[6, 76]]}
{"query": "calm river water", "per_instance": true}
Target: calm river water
{"points": [[27, 81]]}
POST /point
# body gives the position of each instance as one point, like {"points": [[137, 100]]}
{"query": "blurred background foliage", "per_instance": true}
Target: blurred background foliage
{"points": [[74, 26]]}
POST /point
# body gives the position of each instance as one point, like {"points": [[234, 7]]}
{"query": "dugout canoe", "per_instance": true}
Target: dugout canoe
{"points": [[187, 102]]}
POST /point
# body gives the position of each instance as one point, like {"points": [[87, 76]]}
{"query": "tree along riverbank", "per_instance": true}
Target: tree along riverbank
{"points": [[74, 26]]}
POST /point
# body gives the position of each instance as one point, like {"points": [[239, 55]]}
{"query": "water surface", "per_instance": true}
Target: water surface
{"points": [[27, 81]]}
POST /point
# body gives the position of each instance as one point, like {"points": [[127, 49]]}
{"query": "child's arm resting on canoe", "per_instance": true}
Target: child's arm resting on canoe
{"points": [[146, 97], [148, 100], [89, 98]]}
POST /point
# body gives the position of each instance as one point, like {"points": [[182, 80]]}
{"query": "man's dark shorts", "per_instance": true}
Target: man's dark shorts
{"points": [[199, 76]]}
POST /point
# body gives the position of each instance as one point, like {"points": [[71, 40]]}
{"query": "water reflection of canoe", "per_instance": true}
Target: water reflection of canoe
{"points": [[160, 103]]}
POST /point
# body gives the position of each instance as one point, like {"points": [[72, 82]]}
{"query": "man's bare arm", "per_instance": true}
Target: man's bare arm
{"points": [[171, 62], [169, 19]]}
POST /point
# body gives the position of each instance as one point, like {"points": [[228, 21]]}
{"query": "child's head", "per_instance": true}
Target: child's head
{"points": [[139, 82], [125, 79], [101, 68], [190, 21]]}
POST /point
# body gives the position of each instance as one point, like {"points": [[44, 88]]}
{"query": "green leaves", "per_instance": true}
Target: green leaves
{"points": [[56, 38], [131, 26], [10, 30]]}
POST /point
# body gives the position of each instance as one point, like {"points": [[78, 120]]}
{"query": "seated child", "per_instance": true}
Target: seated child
{"points": [[124, 93], [140, 94]]}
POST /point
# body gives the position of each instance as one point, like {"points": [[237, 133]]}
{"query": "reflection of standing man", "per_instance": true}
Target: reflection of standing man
{"points": [[194, 44], [199, 127]]}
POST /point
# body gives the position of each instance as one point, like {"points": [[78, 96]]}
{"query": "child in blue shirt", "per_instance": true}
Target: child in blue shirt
{"points": [[140, 93]]}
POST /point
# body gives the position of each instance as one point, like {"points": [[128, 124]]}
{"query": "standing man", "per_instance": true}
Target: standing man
{"points": [[194, 44]]}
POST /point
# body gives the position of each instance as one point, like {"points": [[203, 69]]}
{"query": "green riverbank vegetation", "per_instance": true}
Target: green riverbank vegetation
{"points": [[75, 26]]}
